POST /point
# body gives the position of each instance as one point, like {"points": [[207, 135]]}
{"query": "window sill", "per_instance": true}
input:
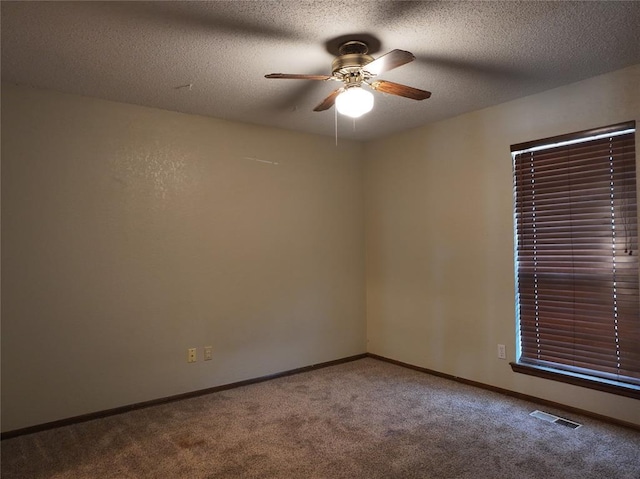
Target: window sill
{"points": [[605, 385]]}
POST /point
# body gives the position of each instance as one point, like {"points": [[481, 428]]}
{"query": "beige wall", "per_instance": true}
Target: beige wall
{"points": [[439, 234], [130, 234]]}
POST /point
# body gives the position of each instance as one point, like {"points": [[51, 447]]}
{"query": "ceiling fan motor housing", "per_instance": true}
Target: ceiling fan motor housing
{"points": [[348, 66]]}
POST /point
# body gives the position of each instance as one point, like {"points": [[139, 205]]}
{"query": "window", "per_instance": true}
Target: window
{"points": [[578, 307]]}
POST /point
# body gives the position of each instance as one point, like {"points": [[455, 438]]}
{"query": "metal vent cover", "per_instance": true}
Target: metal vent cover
{"points": [[555, 419]]}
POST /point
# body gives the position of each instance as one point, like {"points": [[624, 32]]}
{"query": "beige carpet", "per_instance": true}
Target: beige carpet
{"points": [[363, 419]]}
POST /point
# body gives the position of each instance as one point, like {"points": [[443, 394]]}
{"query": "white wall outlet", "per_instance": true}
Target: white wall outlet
{"points": [[502, 352], [191, 355], [208, 353]]}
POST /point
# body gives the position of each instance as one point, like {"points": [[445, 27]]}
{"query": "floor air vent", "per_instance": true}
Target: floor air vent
{"points": [[555, 419]]}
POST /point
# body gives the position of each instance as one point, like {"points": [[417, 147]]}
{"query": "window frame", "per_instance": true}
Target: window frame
{"points": [[548, 371]]}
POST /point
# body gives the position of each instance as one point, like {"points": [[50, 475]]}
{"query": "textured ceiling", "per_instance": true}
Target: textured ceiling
{"points": [[470, 55]]}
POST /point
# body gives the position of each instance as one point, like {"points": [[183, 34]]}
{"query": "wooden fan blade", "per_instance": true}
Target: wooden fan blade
{"points": [[289, 76], [391, 60], [400, 90], [329, 101]]}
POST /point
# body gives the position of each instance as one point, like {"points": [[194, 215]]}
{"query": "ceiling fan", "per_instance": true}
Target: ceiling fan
{"points": [[354, 67]]}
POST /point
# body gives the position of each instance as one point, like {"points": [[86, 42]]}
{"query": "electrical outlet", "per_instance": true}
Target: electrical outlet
{"points": [[208, 353], [191, 355], [502, 353]]}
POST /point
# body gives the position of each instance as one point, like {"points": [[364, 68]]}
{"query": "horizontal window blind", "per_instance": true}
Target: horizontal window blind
{"points": [[577, 255]]}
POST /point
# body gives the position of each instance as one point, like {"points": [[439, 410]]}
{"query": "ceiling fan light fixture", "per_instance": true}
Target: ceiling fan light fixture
{"points": [[354, 102]]}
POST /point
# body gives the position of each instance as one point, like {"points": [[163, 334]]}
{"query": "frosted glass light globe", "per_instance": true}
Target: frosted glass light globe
{"points": [[354, 102]]}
